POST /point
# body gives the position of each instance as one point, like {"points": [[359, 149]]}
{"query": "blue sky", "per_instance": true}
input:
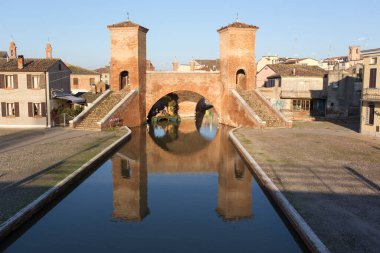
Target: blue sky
{"points": [[78, 31]]}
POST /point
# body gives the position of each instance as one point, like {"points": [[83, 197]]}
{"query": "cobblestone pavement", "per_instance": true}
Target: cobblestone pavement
{"points": [[33, 160], [330, 174]]}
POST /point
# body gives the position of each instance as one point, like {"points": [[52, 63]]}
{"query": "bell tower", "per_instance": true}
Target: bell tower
{"points": [[49, 51], [237, 56], [128, 62], [12, 50]]}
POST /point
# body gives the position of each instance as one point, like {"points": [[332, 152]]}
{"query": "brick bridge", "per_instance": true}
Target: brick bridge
{"points": [[134, 90]]}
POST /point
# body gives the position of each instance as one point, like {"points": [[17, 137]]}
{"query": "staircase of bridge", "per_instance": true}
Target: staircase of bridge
{"points": [[100, 110], [264, 110]]}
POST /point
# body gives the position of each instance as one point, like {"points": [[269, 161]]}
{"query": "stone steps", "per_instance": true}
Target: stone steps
{"points": [[262, 109], [101, 110]]}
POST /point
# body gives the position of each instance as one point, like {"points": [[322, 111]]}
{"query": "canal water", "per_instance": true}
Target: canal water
{"points": [[171, 188]]}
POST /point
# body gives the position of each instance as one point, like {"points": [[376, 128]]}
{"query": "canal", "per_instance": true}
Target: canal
{"points": [[171, 188]]}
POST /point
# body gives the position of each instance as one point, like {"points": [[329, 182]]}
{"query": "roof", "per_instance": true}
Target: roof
{"points": [[104, 70], [3, 54], [208, 65], [238, 24], [128, 24], [371, 51], [76, 70], [30, 65], [286, 70], [336, 58]]}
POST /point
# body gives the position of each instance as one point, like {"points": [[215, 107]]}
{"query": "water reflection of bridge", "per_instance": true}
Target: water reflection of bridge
{"points": [[186, 154]]}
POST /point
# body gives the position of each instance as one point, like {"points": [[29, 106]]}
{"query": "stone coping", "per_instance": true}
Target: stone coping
{"points": [[308, 236], [56, 191], [249, 109]]}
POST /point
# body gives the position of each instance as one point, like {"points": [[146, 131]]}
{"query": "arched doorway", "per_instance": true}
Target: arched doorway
{"points": [[124, 79], [241, 79]]}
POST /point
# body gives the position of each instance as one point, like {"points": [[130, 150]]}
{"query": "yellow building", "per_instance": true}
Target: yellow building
{"points": [[370, 109]]}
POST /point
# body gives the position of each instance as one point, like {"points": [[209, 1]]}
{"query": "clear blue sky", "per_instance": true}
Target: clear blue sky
{"points": [[78, 28]]}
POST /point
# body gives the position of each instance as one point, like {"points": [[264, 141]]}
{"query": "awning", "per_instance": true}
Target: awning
{"points": [[72, 99]]}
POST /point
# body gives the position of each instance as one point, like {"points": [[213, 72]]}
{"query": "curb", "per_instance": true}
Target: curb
{"points": [[38, 204], [312, 241]]}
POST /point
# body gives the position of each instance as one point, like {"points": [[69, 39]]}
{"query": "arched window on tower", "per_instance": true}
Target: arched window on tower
{"points": [[241, 79], [124, 79]]}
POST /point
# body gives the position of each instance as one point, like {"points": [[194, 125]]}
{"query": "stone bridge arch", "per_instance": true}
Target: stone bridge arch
{"points": [[207, 85]]}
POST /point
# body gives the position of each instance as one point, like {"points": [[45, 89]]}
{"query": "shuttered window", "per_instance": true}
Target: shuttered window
{"points": [[36, 109], [372, 78], [9, 82], [35, 82], [10, 109]]}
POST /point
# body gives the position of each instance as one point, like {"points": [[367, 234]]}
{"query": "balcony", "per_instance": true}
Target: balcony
{"points": [[303, 94], [371, 94]]}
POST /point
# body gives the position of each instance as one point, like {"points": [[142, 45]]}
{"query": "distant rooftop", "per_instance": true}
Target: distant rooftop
{"points": [[30, 65], [370, 51], [285, 70], [3, 54], [238, 24], [128, 23], [76, 70], [104, 70]]}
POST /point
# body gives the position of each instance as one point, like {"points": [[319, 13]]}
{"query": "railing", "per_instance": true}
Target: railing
{"points": [[303, 94], [371, 94]]}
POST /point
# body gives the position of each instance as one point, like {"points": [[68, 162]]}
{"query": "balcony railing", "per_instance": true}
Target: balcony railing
{"points": [[371, 94], [303, 94]]}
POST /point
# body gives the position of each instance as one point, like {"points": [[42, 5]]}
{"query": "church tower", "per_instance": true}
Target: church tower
{"points": [[128, 62], [49, 51], [237, 56], [12, 50]]}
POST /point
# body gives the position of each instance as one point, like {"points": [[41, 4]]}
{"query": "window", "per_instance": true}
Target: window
{"points": [[373, 60], [335, 85], [301, 105], [9, 82], [92, 81], [36, 109], [76, 81], [35, 82], [10, 109], [370, 117], [271, 83], [372, 78], [59, 67]]}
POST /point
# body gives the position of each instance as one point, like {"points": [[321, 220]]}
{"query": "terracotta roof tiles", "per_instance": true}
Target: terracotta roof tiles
{"points": [[286, 70], [30, 65], [128, 24], [238, 24]]}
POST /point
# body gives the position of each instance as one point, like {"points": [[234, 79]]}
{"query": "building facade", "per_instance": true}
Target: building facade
{"points": [[298, 91], [28, 88], [344, 93], [370, 107], [104, 74], [84, 80]]}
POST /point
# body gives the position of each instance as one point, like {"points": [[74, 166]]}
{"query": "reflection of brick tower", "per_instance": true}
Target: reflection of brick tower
{"points": [[237, 56], [12, 50], [128, 62], [234, 190], [129, 189]]}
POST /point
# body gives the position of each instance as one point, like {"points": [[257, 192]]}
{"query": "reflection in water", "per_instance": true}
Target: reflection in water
{"points": [[196, 188], [181, 144]]}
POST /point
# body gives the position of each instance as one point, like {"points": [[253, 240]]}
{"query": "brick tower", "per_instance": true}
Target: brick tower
{"points": [[128, 61], [237, 56]]}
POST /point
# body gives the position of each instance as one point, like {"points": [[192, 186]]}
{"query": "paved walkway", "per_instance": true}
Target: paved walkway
{"points": [[330, 174], [33, 160]]}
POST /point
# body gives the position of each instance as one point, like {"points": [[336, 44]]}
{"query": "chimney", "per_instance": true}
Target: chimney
{"points": [[175, 65], [20, 62], [294, 71]]}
